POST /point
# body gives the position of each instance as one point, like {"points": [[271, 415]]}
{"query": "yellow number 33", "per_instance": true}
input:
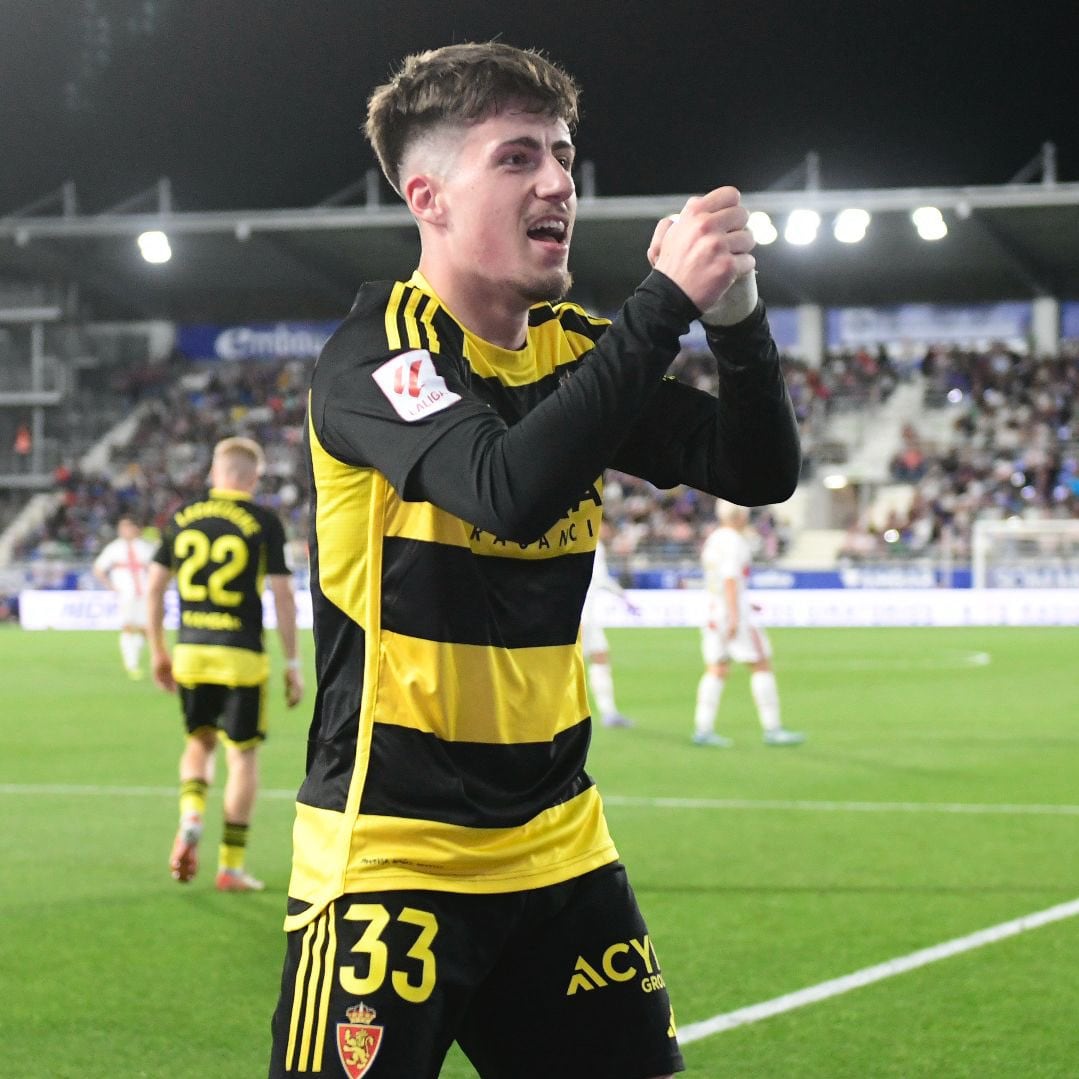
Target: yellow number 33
{"points": [[372, 945]]}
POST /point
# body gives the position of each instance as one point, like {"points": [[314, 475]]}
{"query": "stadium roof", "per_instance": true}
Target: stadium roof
{"points": [[1007, 242]]}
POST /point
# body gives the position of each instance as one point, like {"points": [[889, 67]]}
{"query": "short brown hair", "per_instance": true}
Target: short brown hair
{"points": [[462, 84]]}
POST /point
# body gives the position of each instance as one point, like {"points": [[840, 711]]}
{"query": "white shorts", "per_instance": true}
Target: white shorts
{"points": [[593, 639], [132, 611], [749, 645]]}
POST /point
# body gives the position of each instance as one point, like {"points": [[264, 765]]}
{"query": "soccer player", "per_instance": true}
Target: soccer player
{"points": [[597, 652], [732, 632], [122, 566], [453, 876], [221, 548]]}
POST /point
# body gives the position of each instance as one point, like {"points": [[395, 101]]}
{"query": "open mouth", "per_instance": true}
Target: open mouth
{"points": [[550, 230]]}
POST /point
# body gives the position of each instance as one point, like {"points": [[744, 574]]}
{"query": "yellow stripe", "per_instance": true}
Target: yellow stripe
{"points": [[427, 318], [327, 983], [392, 853], [576, 533], [578, 310], [475, 693], [411, 327], [312, 995], [297, 997], [343, 508], [196, 664], [393, 335]]}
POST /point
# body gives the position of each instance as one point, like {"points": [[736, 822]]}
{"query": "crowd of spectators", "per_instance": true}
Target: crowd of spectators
{"points": [[1013, 450], [167, 459]]}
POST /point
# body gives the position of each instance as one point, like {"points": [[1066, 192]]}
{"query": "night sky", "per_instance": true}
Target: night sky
{"points": [[259, 103]]}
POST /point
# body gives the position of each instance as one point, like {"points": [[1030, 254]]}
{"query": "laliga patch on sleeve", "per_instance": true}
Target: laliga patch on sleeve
{"points": [[413, 386]]}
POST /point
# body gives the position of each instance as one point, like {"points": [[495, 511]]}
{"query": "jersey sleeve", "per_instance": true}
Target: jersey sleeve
{"points": [[276, 563], [163, 554], [458, 453], [104, 561], [385, 409], [741, 445]]}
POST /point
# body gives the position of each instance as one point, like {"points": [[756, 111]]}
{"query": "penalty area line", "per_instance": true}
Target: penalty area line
{"points": [[835, 987]]}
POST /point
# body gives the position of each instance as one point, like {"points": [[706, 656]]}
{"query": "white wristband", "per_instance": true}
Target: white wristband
{"points": [[292, 664], [736, 304]]}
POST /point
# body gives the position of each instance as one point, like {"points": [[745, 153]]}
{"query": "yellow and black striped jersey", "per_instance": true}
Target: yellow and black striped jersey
{"points": [[221, 547], [456, 509]]}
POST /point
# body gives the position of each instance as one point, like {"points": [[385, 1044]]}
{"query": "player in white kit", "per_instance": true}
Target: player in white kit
{"points": [[122, 567], [732, 633], [594, 641]]}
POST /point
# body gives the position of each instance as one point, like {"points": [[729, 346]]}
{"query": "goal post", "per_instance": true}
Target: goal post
{"points": [[1019, 553]]}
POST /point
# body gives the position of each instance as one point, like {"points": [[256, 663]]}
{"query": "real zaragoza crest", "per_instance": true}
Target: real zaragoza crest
{"points": [[358, 1040]]}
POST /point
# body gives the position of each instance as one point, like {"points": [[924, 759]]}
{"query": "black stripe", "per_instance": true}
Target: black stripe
{"points": [[296, 906], [418, 776], [439, 592], [537, 316], [331, 740], [574, 322], [427, 310]]}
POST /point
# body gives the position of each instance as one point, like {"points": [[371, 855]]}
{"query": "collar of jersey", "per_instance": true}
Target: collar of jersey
{"points": [[225, 492], [511, 366]]}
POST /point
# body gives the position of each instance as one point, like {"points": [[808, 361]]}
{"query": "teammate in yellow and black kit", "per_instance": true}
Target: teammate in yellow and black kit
{"points": [[453, 876], [222, 548]]}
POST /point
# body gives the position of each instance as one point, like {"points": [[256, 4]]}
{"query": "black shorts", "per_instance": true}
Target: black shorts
{"points": [[237, 712], [559, 981]]}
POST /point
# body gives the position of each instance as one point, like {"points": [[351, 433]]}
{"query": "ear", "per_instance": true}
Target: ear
{"points": [[422, 195]]}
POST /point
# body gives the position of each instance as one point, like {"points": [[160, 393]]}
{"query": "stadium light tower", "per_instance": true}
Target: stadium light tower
{"points": [[929, 222], [850, 226], [801, 228], [760, 224], [154, 246]]}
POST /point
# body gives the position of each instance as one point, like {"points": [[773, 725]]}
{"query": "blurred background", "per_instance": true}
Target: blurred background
{"points": [[187, 207]]}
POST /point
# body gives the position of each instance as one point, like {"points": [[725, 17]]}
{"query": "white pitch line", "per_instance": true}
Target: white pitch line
{"points": [[1003, 808], [754, 1013], [988, 808]]}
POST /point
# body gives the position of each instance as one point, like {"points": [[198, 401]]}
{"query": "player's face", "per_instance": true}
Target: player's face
{"points": [[511, 204]]}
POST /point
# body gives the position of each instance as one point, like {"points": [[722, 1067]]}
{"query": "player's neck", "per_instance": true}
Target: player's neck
{"points": [[497, 315]]}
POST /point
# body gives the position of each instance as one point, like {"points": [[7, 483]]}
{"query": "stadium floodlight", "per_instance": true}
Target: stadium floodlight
{"points": [[850, 225], [154, 246], [835, 481], [760, 224], [801, 228], [929, 222]]}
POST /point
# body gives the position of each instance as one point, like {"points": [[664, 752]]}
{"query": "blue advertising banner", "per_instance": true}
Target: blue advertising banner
{"points": [[771, 578], [254, 341], [850, 327], [1069, 320], [783, 320]]}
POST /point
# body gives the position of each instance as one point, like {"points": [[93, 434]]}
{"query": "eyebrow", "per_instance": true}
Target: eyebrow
{"points": [[527, 142]]}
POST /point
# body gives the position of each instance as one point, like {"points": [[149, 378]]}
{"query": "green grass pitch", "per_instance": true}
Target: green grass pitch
{"points": [[761, 871]]}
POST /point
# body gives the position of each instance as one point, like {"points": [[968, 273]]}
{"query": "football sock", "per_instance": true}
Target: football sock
{"points": [[230, 854], [709, 692], [762, 684], [130, 649], [193, 797], [601, 681]]}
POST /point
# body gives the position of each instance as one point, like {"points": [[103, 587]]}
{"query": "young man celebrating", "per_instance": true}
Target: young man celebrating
{"points": [[221, 548], [453, 876], [122, 566]]}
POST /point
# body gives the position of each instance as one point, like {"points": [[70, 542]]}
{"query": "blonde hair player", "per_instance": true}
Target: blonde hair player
{"points": [[731, 632], [221, 548]]}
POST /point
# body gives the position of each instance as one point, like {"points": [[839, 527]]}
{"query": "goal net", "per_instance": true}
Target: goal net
{"points": [[1025, 554]]}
